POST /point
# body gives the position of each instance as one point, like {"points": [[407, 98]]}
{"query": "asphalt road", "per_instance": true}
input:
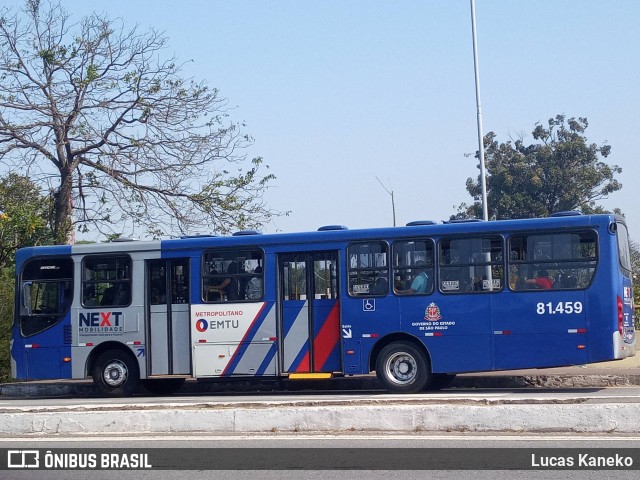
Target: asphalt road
{"points": [[626, 394]]}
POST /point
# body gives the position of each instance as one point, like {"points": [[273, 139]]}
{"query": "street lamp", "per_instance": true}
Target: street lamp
{"points": [[393, 203], [483, 175]]}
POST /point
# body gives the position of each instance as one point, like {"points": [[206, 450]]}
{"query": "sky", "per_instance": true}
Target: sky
{"points": [[339, 94]]}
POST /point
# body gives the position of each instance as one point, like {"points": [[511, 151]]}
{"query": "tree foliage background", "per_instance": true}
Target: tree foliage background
{"points": [[98, 113], [635, 264], [25, 214], [561, 171]]}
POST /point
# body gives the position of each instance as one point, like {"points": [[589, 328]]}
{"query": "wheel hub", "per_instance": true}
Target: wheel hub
{"points": [[402, 368], [115, 373]]}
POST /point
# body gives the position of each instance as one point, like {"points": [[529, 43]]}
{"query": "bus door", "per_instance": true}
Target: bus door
{"points": [[168, 317], [309, 312]]}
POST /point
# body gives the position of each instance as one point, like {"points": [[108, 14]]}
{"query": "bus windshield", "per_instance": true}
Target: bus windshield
{"points": [[46, 294]]}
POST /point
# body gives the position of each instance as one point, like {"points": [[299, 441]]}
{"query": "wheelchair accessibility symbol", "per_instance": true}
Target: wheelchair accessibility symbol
{"points": [[369, 305]]}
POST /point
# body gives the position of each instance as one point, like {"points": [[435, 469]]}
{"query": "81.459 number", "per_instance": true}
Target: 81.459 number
{"points": [[560, 308]]}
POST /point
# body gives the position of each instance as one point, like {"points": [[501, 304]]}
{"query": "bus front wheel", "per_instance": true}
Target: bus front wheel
{"points": [[402, 368], [115, 373]]}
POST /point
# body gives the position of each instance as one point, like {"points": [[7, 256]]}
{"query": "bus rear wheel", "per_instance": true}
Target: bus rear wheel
{"points": [[402, 368], [115, 374]]}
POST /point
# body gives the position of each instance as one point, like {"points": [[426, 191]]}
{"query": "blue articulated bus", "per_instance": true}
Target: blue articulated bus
{"points": [[416, 304]]}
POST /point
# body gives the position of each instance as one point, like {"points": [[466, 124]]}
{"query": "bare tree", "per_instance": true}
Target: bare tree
{"points": [[93, 110]]}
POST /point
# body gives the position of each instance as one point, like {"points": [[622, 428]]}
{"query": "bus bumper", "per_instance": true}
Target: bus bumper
{"points": [[621, 349]]}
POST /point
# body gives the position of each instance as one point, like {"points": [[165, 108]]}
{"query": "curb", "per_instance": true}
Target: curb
{"points": [[325, 417]]}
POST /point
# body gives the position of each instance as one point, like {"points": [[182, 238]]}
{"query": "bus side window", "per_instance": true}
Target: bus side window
{"points": [[106, 280], [413, 270], [232, 275], [473, 264], [567, 260], [368, 269]]}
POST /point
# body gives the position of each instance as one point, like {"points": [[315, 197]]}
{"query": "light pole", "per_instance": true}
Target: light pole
{"points": [[393, 203], [476, 67]]}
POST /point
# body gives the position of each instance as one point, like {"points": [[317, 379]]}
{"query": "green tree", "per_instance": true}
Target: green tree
{"points": [[560, 172], [127, 142], [24, 222], [24, 217], [7, 290]]}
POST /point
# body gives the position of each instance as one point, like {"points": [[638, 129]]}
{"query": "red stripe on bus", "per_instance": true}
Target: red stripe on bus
{"points": [[304, 366], [327, 338]]}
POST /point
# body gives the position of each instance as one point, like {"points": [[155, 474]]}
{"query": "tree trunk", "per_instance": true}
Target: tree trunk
{"points": [[64, 209]]}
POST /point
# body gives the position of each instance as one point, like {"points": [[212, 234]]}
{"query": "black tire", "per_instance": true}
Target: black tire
{"points": [[402, 368], [440, 381], [165, 386], [115, 373]]}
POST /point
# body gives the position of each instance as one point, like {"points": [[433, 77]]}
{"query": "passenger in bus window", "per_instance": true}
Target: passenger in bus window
{"points": [[514, 278], [254, 287], [419, 283], [541, 281], [212, 293], [108, 296], [229, 287], [121, 295], [380, 286], [89, 298]]}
